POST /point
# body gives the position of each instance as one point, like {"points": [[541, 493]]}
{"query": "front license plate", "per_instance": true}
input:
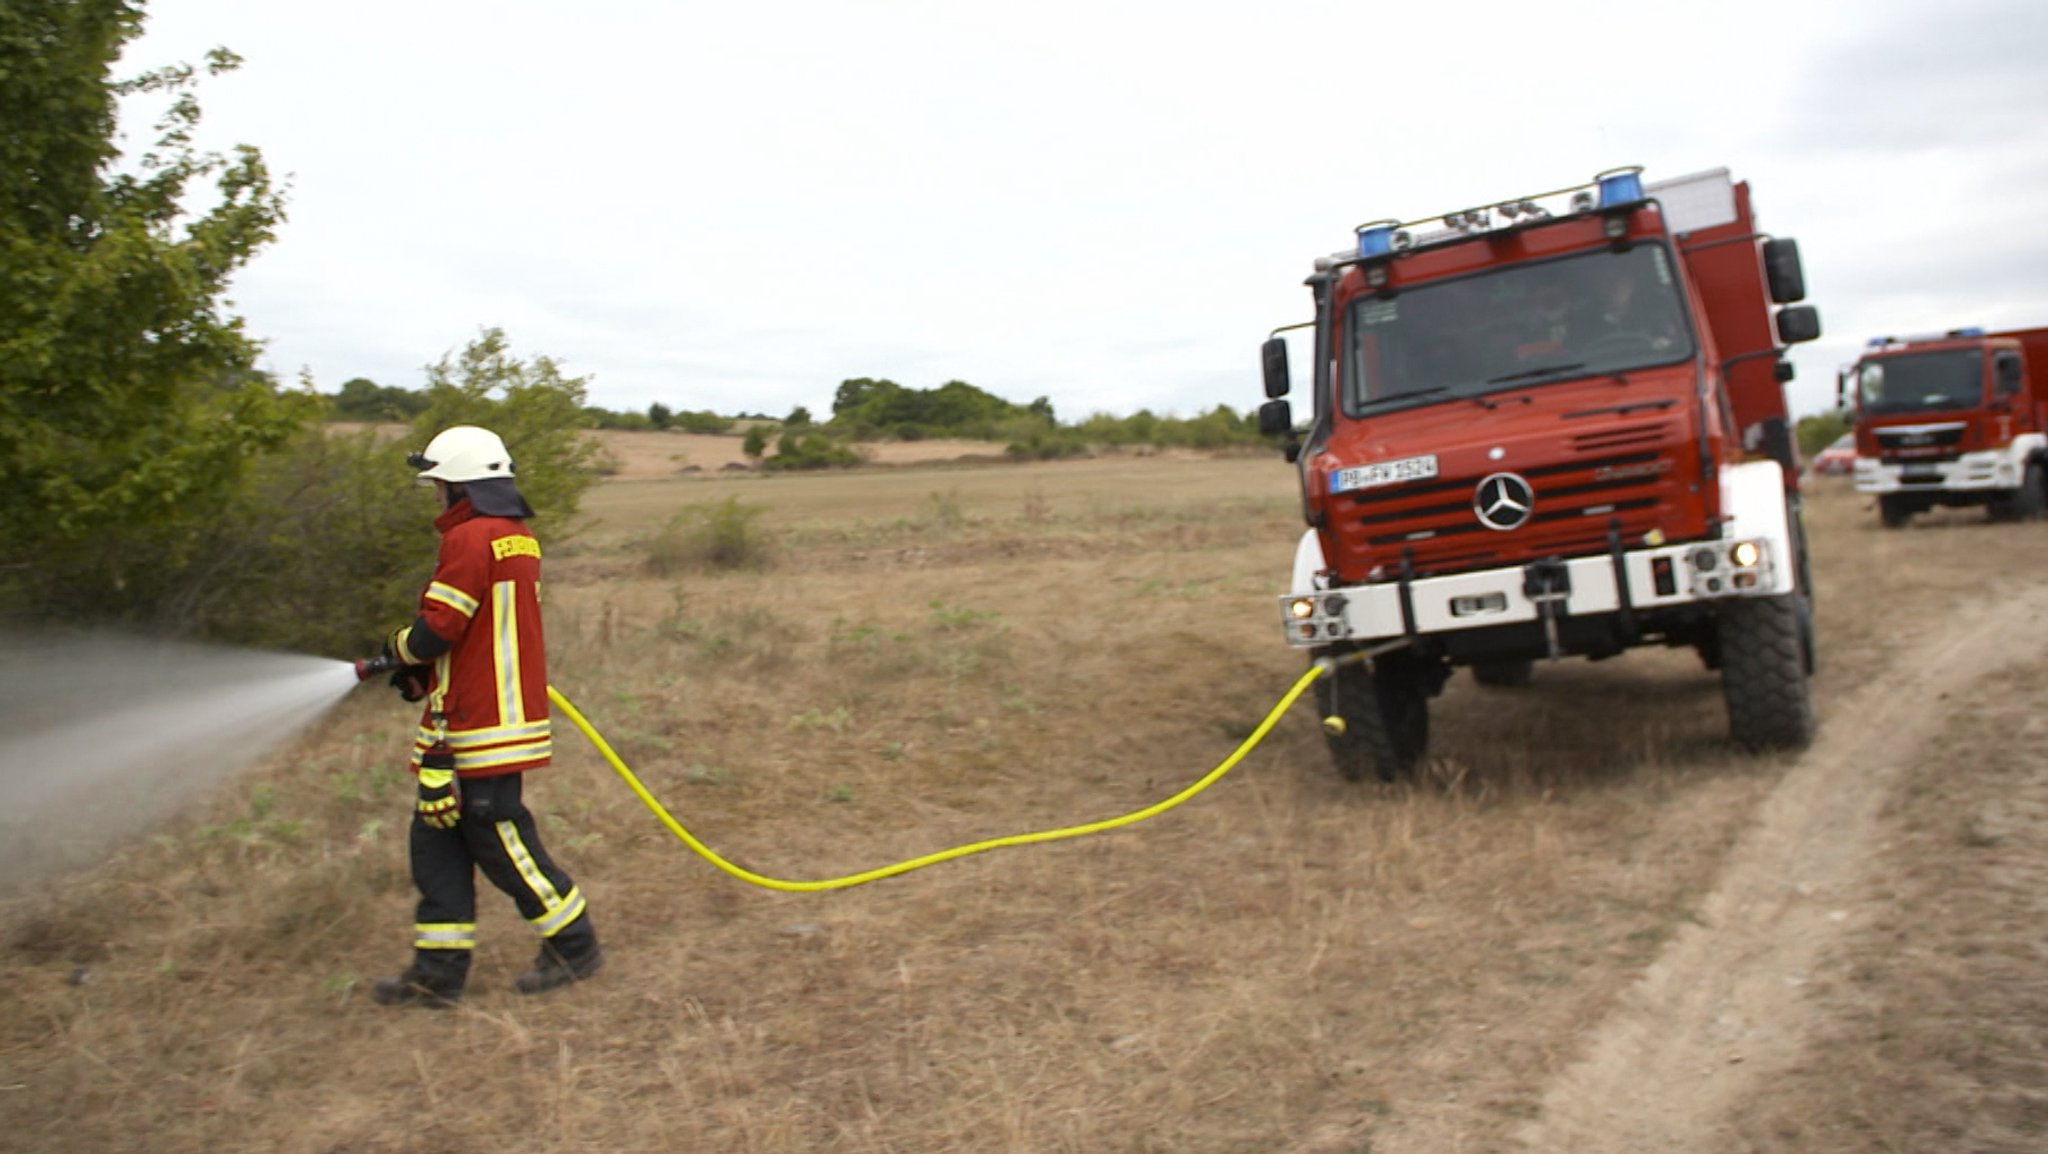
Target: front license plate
{"points": [[1383, 473], [1485, 603]]}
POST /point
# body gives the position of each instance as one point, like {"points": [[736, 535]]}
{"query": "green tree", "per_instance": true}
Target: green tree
{"points": [[362, 399], [756, 442], [660, 415], [866, 407], [798, 416], [129, 407]]}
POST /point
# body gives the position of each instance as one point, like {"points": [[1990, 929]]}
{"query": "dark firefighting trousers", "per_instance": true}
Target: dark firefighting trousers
{"points": [[497, 835]]}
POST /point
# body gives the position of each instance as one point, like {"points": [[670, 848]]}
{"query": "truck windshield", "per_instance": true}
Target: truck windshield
{"points": [[1595, 312], [1953, 379]]}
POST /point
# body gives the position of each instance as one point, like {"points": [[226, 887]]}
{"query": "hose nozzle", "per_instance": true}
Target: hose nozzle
{"points": [[368, 667]]}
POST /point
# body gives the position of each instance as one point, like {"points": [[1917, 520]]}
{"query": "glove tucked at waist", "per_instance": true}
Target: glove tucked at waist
{"points": [[440, 796]]}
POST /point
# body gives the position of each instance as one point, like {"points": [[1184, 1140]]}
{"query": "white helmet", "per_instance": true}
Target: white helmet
{"points": [[463, 453]]}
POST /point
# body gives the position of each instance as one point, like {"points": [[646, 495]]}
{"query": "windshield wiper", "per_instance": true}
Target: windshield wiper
{"points": [[1410, 395], [1532, 374]]}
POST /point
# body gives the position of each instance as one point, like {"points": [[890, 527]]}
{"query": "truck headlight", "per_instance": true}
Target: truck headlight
{"points": [[1746, 554], [1301, 608]]}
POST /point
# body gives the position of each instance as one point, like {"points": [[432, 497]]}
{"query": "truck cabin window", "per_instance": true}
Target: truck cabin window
{"points": [[1922, 381], [1511, 327]]}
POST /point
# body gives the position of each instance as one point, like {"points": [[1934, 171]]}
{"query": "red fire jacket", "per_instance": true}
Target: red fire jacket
{"points": [[490, 685]]}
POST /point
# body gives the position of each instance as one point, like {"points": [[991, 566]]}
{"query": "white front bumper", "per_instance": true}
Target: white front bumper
{"points": [[1697, 571], [1985, 472]]}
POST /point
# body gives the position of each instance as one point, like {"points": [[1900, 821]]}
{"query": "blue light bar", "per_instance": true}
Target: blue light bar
{"points": [[1972, 331], [1620, 186], [1376, 240]]}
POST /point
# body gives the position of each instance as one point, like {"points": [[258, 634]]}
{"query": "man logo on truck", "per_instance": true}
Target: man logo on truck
{"points": [[1503, 501]]}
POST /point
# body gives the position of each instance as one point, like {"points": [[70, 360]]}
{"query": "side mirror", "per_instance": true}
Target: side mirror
{"points": [[1273, 356], [1276, 417], [1798, 323], [2007, 367], [1782, 270]]}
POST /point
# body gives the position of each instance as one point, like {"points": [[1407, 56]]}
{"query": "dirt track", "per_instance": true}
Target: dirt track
{"points": [[1723, 1012]]}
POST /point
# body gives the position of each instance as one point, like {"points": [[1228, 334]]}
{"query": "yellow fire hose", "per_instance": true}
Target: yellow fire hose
{"points": [[675, 827]]}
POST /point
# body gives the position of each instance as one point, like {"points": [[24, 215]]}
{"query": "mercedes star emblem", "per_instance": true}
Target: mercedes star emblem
{"points": [[1503, 501]]}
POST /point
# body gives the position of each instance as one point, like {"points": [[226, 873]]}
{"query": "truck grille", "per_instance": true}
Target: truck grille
{"points": [[1921, 442], [1633, 476]]}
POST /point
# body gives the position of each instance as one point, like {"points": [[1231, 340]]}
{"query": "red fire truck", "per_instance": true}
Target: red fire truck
{"points": [[1544, 427], [1953, 418]]}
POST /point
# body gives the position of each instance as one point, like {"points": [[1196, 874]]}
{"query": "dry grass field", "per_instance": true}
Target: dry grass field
{"points": [[1288, 963]]}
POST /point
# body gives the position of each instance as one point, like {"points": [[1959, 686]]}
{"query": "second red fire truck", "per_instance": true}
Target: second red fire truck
{"points": [[1953, 418]]}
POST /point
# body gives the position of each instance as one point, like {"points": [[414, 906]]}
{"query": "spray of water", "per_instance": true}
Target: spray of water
{"points": [[102, 736]]}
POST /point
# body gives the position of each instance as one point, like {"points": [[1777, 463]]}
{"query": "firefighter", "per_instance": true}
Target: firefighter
{"points": [[475, 655]]}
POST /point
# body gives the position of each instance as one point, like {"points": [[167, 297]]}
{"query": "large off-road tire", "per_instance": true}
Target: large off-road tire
{"points": [[2026, 503], [1503, 674], [1385, 719], [1763, 672], [1893, 511]]}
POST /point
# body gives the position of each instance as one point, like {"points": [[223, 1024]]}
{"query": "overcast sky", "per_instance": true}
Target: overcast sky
{"points": [[736, 206]]}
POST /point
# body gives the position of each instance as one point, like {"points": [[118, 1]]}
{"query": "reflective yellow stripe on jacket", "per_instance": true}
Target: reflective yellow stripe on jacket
{"points": [[452, 597], [505, 651]]}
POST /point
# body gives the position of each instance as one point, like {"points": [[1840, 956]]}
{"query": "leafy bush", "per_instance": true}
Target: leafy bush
{"points": [[1048, 445], [809, 449], [323, 550], [721, 536], [701, 422]]}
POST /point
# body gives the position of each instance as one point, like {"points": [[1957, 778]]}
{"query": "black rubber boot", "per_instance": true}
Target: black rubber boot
{"points": [[562, 960], [433, 986]]}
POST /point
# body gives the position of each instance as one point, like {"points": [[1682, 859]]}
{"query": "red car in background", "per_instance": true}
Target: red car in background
{"points": [[1838, 459]]}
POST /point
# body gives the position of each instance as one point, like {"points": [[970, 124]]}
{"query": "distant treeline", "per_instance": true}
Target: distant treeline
{"points": [[871, 409]]}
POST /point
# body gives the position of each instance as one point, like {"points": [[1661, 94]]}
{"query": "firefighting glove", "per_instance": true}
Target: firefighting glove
{"points": [[410, 681], [440, 802], [391, 639]]}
